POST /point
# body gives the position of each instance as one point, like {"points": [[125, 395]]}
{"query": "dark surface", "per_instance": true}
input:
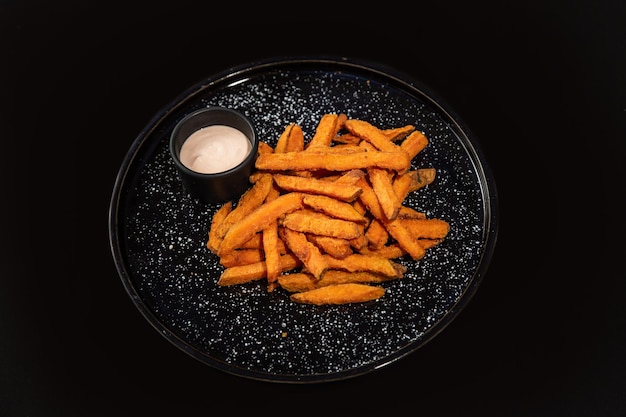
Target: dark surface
{"points": [[540, 84]]}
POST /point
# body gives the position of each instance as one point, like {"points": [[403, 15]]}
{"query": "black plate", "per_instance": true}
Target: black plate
{"points": [[158, 233]]}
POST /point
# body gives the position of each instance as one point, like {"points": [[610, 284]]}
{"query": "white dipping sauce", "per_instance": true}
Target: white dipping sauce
{"points": [[214, 149]]}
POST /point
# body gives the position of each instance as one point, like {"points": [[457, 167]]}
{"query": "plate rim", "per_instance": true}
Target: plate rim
{"points": [[491, 208]]}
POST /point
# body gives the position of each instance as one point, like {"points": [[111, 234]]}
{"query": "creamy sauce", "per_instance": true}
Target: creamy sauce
{"points": [[214, 149]]}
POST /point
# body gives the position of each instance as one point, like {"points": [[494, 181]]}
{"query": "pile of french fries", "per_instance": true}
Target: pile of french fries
{"points": [[324, 219]]}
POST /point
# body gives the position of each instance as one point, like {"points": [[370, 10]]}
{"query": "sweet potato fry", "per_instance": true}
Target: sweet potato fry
{"points": [[383, 188], [392, 251], [405, 239], [318, 160], [334, 208], [252, 272], [425, 176], [305, 251], [309, 221], [261, 217], [358, 262], [272, 244], [426, 228], [376, 234], [292, 139], [214, 240], [325, 132], [398, 133], [402, 183], [372, 134], [302, 281], [339, 294], [340, 191], [242, 257], [414, 143], [333, 246], [248, 202]]}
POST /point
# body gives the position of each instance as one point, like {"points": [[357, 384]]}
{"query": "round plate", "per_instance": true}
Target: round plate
{"points": [[158, 233]]}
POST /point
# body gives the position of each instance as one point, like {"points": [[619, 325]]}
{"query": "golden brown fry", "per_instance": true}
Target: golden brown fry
{"points": [[252, 272], [426, 228], [339, 294], [214, 240], [340, 191], [336, 276], [429, 243], [414, 143], [334, 208], [264, 147], [271, 252], [283, 139], [297, 282], [305, 251], [392, 251], [309, 221], [394, 228], [402, 183], [333, 246], [377, 235], [410, 213], [359, 262], [247, 203], [302, 281], [241, 257], [325, 132], [372, 134], [260, 218], [348, 139], [361, 240], [318, 160], [398, 133], [425, 176], [383, 188], [405, 239]]}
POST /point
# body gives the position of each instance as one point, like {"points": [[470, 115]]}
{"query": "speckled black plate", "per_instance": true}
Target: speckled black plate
{"points": [[158, 233]]}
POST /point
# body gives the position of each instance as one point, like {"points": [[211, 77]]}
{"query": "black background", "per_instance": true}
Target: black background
{"points": [[541, 84]]}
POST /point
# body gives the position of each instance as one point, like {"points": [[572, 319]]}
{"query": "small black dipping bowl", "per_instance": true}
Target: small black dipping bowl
{"points": [[222, 186]]}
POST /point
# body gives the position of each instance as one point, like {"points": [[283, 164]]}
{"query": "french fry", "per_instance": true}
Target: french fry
{"points": [[271, 245], [292, 139], [326, 130], [302, 281], [340, 191], [398, 133], [261, 217], [319, 160], [424, 177], [414, 143], [214, 240], [376, 234], [305, 251], [372, 134], [392, 251], [242, 257], [309, 221], [359, 262], [383, 188], [426, 228], [252, 272], [339, 294], [333, 246], [248, 202], [334, 208]]}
